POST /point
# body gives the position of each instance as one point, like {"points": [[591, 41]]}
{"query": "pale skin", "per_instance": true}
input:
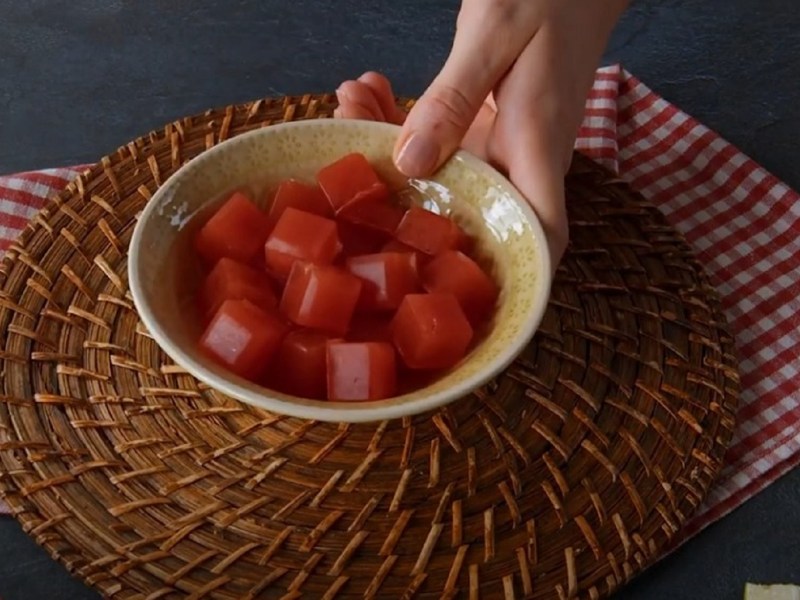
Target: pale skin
{"points": [[512, 91]]}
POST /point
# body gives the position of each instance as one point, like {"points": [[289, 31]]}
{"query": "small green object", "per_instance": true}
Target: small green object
{"points": [[755, 591]]}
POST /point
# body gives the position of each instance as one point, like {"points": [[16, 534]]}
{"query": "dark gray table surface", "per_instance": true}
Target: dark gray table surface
{"points": [[78, 78]]}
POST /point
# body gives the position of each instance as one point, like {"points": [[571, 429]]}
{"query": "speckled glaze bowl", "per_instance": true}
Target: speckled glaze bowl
{"points": [[482, 201]]}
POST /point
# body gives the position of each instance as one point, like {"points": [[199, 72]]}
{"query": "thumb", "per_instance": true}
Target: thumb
{"points": [[441, 117]]}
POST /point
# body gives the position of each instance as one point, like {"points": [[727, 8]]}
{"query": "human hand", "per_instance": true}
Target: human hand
{"points": [[512, 91]]}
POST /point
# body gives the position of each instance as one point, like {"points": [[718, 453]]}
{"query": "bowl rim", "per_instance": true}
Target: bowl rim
{"points": [[326, 410]]}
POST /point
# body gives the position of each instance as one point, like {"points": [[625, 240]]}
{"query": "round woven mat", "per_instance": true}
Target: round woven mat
{"points": [[563, 478]]}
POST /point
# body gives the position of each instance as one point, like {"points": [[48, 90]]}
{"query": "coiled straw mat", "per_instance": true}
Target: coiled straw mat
{"points": [[563, 478]]}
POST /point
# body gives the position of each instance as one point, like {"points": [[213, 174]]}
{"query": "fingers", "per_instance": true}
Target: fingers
{"points": [[358, 101], [535, 165], [489, 37], [534, 135], [382, 90], [479, 133], [371, 98], [541, 180]]}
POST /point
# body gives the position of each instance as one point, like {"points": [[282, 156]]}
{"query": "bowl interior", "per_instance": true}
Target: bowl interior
{"points": [[484, 204]]}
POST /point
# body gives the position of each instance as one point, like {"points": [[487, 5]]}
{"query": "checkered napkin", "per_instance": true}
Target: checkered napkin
{"points": [[741, 221]]}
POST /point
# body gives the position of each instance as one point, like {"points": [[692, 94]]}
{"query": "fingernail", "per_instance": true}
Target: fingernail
{"points": [[418, 156]]}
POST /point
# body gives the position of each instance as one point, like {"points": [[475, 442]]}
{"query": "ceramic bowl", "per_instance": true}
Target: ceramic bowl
{"points": [[482, 201]]}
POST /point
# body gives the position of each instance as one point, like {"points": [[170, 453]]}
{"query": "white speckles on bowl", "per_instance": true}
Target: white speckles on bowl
{"points": [[479, 198]]}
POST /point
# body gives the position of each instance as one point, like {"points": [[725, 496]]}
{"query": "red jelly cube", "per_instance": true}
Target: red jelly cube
{"points": [[458, 274], [387, 277], [303, 236], [357, 239], [428, 232], [430, 331], [243, 338], [237, 230], [361, 371], [370, 327], [351, 179], [230, 280], [300, 365], [299, 195], [394, 245], [381, 216], [321, 297]]}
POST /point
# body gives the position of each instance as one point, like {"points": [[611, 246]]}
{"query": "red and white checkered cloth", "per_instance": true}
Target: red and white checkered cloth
{"points": [[741, 220]]}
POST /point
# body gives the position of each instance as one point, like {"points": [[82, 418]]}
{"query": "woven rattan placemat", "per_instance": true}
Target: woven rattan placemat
{"points": [[564, 477]]}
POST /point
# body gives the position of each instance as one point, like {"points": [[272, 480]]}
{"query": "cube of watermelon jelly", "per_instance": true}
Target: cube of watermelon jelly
{"points": [[428, 232], [456, 273], [299, 367], [358, 239], [301, 196], [300, 235], [430, 331], [237, 230], [243, 338], [361, 370], [378, 215], [230, 280], [351, 179], [322, 297], [387, 277]]}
